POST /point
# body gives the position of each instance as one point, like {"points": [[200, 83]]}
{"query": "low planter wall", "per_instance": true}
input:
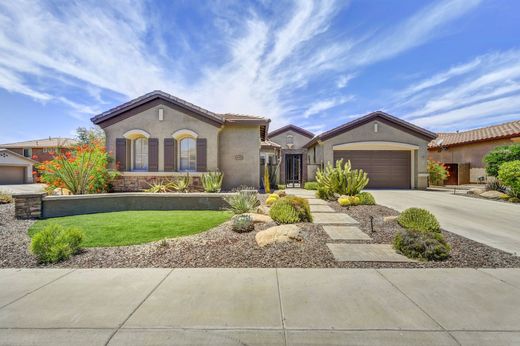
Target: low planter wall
{"points": [[55, 206], [38, 206]]}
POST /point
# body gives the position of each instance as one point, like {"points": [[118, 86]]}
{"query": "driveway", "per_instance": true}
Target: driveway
{"points": [[233, 306], [22, 188], [492, 223]]}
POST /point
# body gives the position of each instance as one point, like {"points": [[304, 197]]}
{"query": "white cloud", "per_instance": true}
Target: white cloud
{"points": [[344, 80], [323, 105]]}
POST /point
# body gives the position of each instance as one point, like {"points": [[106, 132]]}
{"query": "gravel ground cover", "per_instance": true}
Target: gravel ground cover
{"points": [[221, 247]]}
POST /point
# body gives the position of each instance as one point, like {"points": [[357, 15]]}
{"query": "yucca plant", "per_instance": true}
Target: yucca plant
{"points": [[160, 186], [243, 202], [212, 181]]}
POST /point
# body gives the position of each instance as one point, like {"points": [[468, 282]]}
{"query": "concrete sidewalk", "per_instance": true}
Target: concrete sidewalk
{"points": [[260, 306]]}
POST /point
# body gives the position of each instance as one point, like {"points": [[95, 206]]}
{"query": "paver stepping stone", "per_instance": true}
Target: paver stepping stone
{"points": [[316, 201], [321, 208], [333, 219], [366, 253], [345, 233]]}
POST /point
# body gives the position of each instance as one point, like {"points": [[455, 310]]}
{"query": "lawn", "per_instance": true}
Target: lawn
{"points": [[137, 227]]}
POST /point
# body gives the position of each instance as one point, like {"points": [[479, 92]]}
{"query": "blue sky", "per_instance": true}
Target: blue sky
{"points": [[443, 65]]}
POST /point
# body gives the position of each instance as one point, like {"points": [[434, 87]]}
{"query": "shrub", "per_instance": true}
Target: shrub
{"points": [[56, 243], [345, 201], [311, 185], [426, 246], [340, 179], [212, 181], [496, 157], [437, 172], [271, 199], [366, 198], [243, 202], [82, 170], [5, 199], [242, 224], [418, 219], [291, 209], [509, 175]]}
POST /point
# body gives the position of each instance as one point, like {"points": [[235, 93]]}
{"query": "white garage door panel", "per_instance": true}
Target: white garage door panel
{"points": [[11, 175]]}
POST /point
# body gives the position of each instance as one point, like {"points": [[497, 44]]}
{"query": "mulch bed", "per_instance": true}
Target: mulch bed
{"points": [[221, 247]]}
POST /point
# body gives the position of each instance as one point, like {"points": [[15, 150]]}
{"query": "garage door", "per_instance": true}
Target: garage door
{"points": [[385, 168], [11, 175]]}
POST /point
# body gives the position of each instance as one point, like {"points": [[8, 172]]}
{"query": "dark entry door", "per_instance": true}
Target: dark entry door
{"points": [[293, 169]]}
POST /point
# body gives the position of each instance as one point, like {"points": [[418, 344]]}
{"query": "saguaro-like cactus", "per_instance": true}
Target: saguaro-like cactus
{"points": [[357, 179]]}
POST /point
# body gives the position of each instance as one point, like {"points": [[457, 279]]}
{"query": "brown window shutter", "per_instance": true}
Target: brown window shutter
{"points": [[169, 154], [202, 154], [121, 154], [153, 154]]}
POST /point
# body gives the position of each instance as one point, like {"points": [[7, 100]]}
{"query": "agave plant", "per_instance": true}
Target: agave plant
{"points": [[212, 181], [181, 184], [160, 186], [243, 202]]}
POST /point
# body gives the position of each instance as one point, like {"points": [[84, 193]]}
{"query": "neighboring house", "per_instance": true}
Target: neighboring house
{"points": [[293, 165], [40, 149], [15, 168], [463, 152], [392, 151], [158, 136]]}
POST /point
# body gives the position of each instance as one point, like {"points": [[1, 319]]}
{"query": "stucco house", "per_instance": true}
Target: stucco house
{"points": [[463, 152], [158, 135], [15, 168], [392, 151]]}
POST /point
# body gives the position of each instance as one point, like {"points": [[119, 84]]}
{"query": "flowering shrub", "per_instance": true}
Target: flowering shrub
{"points": [[438, 172], [82, 170]]}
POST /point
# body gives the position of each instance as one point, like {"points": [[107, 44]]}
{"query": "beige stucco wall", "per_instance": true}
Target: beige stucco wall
{"points": [[385, 133], [8, 159], [299, 140], [239, 156], [174, 120]]}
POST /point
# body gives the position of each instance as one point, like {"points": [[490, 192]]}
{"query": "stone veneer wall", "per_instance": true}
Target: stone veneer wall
{"points": [[28, 206], [136, 183]]}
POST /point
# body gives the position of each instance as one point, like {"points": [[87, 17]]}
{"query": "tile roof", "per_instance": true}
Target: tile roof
{"points": [[51, 142], [507, 130], [294, 128]]}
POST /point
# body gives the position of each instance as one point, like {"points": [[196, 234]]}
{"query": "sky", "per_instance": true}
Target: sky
{"points": [[443, 65]]}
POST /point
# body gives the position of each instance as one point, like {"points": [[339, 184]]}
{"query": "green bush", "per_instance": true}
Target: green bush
{"points": [[418, 219], [243, 202], [438, 172], [212, 181], [5, 199], [311, 185], [425, 246], [366, 198], [56, 243], [509, 175], [291, 209], [242, 224], [496, 157], [340, 180], [346, 201]]}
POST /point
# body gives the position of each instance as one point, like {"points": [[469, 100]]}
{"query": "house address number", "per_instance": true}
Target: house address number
{"points": [[239, 157]]}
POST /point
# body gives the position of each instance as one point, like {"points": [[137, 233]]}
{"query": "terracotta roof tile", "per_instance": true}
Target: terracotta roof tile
{"points": [[507, 130]]}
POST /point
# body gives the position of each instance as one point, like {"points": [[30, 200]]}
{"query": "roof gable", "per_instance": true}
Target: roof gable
{"points": [[379, 116], [21, 157], [294, 128]]}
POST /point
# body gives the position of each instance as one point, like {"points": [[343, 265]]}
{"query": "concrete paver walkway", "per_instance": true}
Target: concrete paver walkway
{"points": [[231, 306], [366, 253], [489, 222], [345, 233]]}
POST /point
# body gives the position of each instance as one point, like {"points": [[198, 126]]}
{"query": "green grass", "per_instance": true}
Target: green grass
{"points": [[136, 227]]}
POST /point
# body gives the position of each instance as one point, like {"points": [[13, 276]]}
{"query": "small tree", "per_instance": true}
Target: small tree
{"points": [[90, 135], [509, 175], [438, 172], [496, 157]]}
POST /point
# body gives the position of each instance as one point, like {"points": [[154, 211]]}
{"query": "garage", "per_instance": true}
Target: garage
{"points": [[389, 169], [12, 175], [15, 168]]}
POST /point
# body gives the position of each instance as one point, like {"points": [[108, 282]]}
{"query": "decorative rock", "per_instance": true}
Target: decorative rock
{"points": [[476, 191], [390, 218], [258, 218], [493, 195], [278, 234], [61, 192], [262, 210]]}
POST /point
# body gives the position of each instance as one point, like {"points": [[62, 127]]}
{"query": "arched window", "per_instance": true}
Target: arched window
{"points": [[188, 155], [141, 154]]}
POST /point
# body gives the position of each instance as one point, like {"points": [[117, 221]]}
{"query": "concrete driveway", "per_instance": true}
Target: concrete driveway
{"points": [[233, 306], [493, 223], [22, 188]]}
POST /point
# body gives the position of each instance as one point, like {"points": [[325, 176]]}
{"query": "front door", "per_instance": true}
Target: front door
{"points": [[293, 169]]}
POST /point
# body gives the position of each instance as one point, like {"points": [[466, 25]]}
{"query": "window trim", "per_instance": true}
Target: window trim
{"points": [[179, 156], [134, 153]]}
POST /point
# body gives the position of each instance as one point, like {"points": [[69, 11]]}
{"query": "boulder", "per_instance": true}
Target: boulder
{"points": [[476, 191], [493, 195], [390, 218], [264, 210], [278, 234], [258, 218], [61, 192]]}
